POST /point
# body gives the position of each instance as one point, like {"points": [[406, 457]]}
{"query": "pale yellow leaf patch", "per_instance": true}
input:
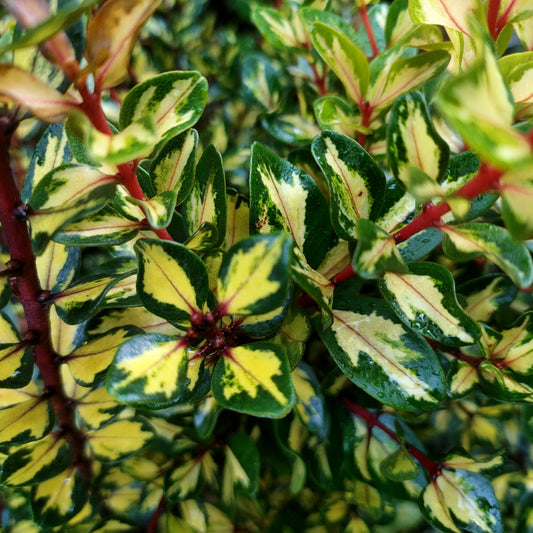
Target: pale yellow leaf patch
{"points": [[30, 417], [11, 360], [57, 492]]}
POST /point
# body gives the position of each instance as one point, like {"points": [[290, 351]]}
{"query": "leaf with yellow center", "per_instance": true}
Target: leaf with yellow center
{"points": [[172, 280], [58, 499], [119, 439], [254, 275], [382, 356], [254, 379], [154, 371]]}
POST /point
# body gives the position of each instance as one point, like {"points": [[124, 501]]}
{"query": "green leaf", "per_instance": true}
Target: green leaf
{"points": [[90, 361], [376, 251], [16, 365], [293, 334], [461, 500], [282, 197], [119, 439], [276, 29], [104, 228], [241, 468], [135, 141], [517, 70], [478, 105], [293, 128], [424, 298], [55, 501], [516, 188], [399, 466], [159, 209], [412, 140], [254, 275], [404, 75], [260, 82], [57, 266], [254, 379], [36, 462], [154, 371], [310, 402], [343, 57], [461, 460], [356, 184], [380, 355], [76, 303], [237, 218], [51, 151], [172, 281], [25, 416], [173, 167], [487, 294], [318, 287], [334, 113], [175, 100], [207, 200], [503, 386], [476, 239]]}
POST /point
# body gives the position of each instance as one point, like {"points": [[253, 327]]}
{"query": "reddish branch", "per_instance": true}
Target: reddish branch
{"points": [[371, 419], [368, 28], [492, 18], [27, 289], [154, 519]]}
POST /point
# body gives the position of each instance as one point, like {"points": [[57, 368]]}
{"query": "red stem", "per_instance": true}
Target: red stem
{"points": [[492, 18], [369, 31], [372, 420], [366, 116], [154, 520], [319, 80], [487, 179], [27, 289], [470, 359]]}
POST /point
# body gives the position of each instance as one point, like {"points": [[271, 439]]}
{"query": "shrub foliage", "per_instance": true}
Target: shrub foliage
{"points": [[267, 266]]}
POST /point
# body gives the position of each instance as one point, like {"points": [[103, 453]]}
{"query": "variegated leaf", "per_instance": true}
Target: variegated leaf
{"points": [[111, 34], [57, 266], [260, 82], [173, 167], [516, 188], [487, 294], [462, 379], [172, 281], [334, 113], [16, 365], [36, 462], [51, 151], [207, 200], [382, 356], [293, 334], [343, 57], [90, 362], [96, 407], [376, 251], [503, 386], [405, 75], [254, 379], [437, 12], [154, 371], [76, 303], [254, 275], [278, 30], [104, 228], [356, 183], [412, 140], [282, 197], [477, 104], [159, 209], [58, 499], [29, 91], [119, 439], [174, 99], [237, 218], [460, 500], [476, 239], [24, 416], [424, 298]]}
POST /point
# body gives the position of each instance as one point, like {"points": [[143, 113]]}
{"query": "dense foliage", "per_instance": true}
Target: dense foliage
{"points": [[267, 266]]}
